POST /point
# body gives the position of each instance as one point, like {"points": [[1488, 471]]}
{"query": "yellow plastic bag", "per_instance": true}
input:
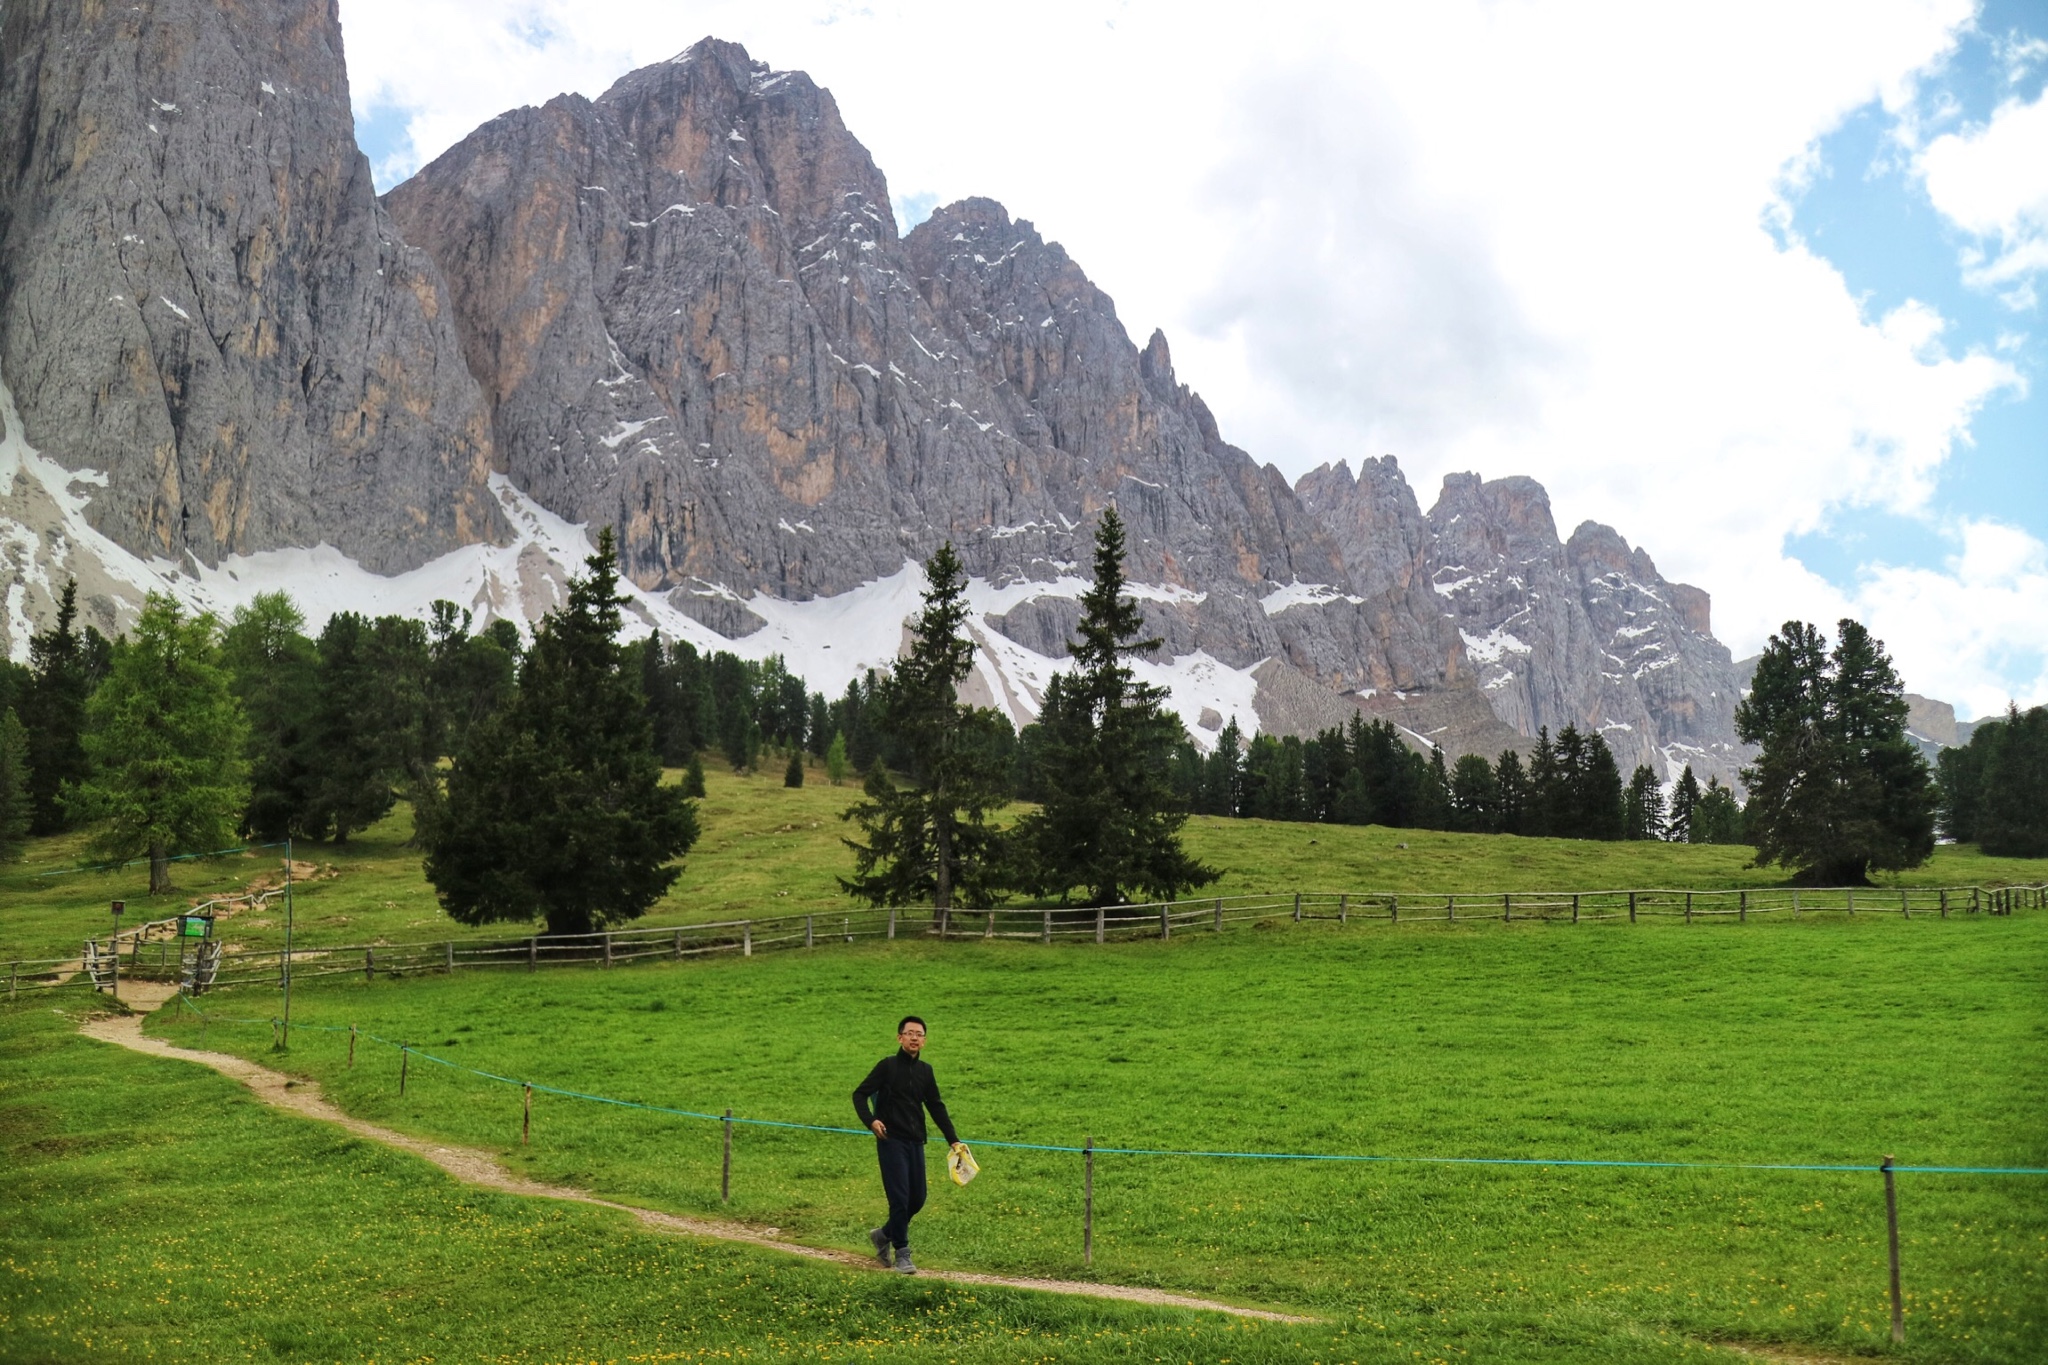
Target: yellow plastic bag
{"points": [[960, 1164]]}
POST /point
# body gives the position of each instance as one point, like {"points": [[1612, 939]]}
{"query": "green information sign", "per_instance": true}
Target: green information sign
{"points": [[197, 925]]}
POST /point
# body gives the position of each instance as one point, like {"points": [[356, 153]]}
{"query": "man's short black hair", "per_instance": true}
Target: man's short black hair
{"points": [[908, 1020]]}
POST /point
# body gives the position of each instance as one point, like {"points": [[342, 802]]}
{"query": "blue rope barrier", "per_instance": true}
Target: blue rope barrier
{"points": [[1169, 1151]]}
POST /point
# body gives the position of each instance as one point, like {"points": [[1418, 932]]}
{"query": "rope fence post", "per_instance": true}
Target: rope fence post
{"points": [[351, 1047], [526, 1117], [1891, 1218], [1088, 1200], [725, 1176], [404, 1064]]}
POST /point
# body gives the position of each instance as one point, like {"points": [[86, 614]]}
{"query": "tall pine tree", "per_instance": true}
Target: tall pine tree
{"points": [[1109, 823], [65, 665], [275, 671], [930, 838], [555, 808], [14, 806], [1838, 788]]}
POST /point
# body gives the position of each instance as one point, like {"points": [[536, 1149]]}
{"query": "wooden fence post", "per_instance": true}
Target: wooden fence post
{"points": [[404, 1065], [679, 945], [1795, 902], [1219, 914], [1575, 907], [607, 948], [1297, 907], [1088, 1200], [1344, 909], [1394, 908], [13, 974], [1631, 907], [1891, 1218], [1045, 933], [351, 1047], [451, 954], [1944, 902], [1742, 907], [1165, 923], [808, 939], [1100, 925], [1905, 908], [747, 939], [988, 925], [1852, 900], [526, 1118], [1507, 906], [369, 964], [725, 1176], [1688, 907], [533, 953], [892, 921], [846, 927], [1973, 898]]}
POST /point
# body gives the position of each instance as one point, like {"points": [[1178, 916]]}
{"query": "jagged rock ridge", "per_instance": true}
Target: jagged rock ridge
{"points": [[682, 309], [203, 301]]}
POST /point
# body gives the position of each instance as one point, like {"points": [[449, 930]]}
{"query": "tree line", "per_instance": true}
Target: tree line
{"points": [[1993, 791], [1367, 774]]}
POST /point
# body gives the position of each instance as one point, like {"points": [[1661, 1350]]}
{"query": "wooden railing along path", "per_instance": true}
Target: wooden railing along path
{"points": [[1159, 919]]}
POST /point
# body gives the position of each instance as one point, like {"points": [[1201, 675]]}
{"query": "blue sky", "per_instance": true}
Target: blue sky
{"points": [[1869, 214], [1760, 286]]}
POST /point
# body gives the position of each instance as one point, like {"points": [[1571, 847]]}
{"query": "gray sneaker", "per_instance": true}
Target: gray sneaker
{"points": [[903, 1265], [881, 1241]]}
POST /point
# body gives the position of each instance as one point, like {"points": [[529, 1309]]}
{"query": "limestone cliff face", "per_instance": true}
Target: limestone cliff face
{"points": [[201, 300], [1581, 632], [692, 318]]}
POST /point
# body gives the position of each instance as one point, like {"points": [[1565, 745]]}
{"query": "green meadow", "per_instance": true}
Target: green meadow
{"points": [[767, 849], [1819, 1042]]}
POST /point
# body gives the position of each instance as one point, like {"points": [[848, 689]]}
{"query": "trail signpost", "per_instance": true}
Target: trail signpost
{"points": [[114, 947]]}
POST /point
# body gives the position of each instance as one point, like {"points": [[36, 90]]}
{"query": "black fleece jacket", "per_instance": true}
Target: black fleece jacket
{"points": [[902, 1088]]}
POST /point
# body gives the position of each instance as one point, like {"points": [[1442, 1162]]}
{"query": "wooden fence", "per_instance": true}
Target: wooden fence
{"points": [[1161, 920]]}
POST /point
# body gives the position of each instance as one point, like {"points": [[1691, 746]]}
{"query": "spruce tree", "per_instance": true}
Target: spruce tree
{"points": [[930, 838], [1643, 806], [2014, 803], [1475, 796], [1716, 819], [1511, 783], [793, 775], [1685, 799], [1109, 824], [167, 744], [693, 776], [555, 808], [835, 758], [64, 667], [275, 672], [14, 803], [1838, 788]]}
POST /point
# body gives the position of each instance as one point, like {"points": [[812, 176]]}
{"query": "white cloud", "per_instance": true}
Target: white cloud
{"points": [[1541, 239], [1992, 182], [1971, 632]]}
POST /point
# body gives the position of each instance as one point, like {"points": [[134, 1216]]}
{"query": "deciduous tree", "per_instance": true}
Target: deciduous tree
{"points": [[167, 744]]}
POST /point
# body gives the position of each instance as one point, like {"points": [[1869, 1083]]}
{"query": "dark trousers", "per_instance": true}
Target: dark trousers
{"points": [[903, 1183]]}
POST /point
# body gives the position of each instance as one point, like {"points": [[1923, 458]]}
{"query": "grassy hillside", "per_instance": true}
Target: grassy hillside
{"points": [[767, 849], [156, 1212], [1831, 1042]]}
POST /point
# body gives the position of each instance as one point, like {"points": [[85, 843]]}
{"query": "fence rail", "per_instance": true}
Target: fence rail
{"points": [[1104, 924]]}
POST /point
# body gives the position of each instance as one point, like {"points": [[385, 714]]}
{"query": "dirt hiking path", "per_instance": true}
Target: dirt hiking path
{"points": [[481, 1168]]}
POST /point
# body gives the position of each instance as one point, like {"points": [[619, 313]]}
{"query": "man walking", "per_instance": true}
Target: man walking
{"points": [[902, 1088]]}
